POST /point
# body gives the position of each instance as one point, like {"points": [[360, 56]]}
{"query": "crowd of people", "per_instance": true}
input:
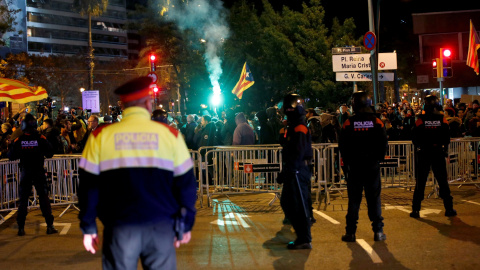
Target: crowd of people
{"points": [[68, 133]]}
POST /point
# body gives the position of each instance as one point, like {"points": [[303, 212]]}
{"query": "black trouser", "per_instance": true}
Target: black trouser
{"points": [[39, 180], [295, 203], [364, 176], [435, 159], [152, 244]]}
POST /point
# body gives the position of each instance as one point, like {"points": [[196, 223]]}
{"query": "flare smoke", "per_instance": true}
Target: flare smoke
{"points": [[208, 20]]}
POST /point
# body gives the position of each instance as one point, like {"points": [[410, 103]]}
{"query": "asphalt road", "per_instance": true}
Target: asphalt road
{"points": [[244, 232]]}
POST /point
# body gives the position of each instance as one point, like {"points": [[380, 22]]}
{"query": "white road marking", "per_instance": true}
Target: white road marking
{"points": [[471, 202], [8, 216], [373, 255], [66, 227], [326, 217], [423, 213]]}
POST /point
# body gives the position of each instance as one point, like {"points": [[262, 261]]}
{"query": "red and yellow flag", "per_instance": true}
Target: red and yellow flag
{"points": [[473, 46], [18, 92], [246, 80]]}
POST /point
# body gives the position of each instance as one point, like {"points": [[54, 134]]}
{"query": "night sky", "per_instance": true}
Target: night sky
{"points": [[393, 13]]}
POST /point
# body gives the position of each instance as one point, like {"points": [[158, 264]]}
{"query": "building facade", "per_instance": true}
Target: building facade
{"points": [[53, 27]]}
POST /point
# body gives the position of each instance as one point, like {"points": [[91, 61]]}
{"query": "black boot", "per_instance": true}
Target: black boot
{"points": [[294, 245], [415, 214], [21, 231], [379, 236], [450, 213], [51, 229], [349, 237]]}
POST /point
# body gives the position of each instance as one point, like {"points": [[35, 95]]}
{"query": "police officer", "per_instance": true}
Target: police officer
{"points": [[362, 144], [295, 176], [431, 139], [32, 148], [137, 177]]}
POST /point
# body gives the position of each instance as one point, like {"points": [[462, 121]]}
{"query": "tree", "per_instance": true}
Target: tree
{"points": [[90, 8], [7, 19]]}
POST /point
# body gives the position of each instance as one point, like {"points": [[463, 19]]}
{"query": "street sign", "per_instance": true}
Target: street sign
{"points": [[422, 78], [363, 76], [369, 41], [91, 100], [154, 77], [343, 50], [361, 62]]}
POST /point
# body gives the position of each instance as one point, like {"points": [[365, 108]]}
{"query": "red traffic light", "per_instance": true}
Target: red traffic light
{"points": [[434, 63], [155, 89], [447, 53], [152, 57]]}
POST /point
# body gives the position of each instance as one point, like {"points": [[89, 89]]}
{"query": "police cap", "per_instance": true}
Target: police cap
{"points": [[134, 89]]}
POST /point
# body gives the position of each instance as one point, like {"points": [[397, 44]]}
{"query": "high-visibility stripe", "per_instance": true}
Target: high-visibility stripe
{"points": [[89, 166], [183, 168], [136, 162]]}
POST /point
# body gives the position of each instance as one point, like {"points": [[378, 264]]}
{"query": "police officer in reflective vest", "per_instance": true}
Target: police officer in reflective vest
{"points": [[137, 177], [32, 148], [431, 139], [363, 142], [295, 176]]}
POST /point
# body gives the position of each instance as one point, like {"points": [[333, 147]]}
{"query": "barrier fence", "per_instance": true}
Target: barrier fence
{"points": [[229, 170]]}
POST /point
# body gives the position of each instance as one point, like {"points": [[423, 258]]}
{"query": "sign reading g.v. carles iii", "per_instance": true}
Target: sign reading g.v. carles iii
{"points": [[362, 125]]}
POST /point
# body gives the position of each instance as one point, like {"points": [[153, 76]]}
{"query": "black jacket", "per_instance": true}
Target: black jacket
{"points": [[363, 139], [32, 149], [431, 131]]}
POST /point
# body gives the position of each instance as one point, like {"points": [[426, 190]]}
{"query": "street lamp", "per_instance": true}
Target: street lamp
{"points": [[82, 89]]}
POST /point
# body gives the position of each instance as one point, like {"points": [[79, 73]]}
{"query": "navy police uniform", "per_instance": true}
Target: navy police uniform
{"points": [[363, 143], [296, 176], [32, 148], [431, 139]]}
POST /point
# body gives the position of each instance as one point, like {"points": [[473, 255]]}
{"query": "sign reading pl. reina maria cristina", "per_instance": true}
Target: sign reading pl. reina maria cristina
{"points": [[361, 62]]}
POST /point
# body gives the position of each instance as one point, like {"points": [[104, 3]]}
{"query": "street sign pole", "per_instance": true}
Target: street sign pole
{"points": [[372, 52]]}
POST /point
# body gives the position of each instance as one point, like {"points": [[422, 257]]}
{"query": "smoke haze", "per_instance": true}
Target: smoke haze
{"points": [[208, 20]]}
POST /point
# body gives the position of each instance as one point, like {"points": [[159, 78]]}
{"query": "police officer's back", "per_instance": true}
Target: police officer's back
{"points": [[32, 148], [362, 144], [431, 139]]}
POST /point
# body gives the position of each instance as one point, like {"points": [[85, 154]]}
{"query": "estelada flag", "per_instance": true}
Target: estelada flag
{"points": [[246, 80], [473, 46], [18, 92]]}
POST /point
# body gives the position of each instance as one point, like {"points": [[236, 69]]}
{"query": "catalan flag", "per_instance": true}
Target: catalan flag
{"points": [[246, 80], [19, 92], [473, 46]]}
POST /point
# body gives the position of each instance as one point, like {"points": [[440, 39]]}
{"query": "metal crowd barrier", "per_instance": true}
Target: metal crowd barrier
{"points": [[242, 170], [62, 179], [463, 162], [197, 171]]}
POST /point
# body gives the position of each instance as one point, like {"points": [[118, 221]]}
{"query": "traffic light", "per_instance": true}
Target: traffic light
{"points": [[437, 67], [153, 61], [446, 60]]}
